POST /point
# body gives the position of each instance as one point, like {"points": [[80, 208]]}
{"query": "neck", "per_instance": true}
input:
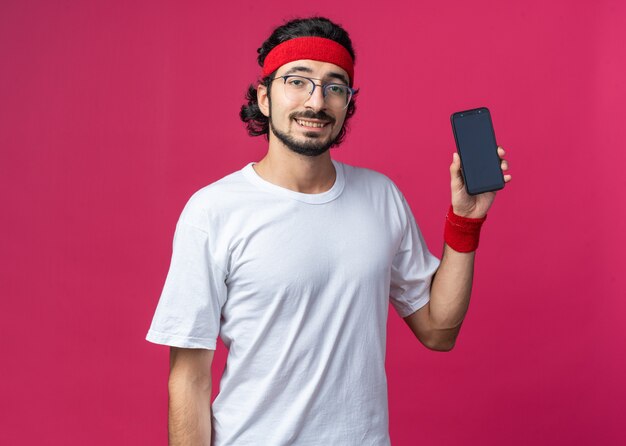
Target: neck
{"points": [[300, 173]]}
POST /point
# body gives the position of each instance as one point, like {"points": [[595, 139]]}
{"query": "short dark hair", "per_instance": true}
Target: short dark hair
{"points": [[256, 122]]}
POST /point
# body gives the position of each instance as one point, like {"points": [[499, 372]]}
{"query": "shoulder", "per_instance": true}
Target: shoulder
{"points": [[371, 180], [214, 199], [379, 191]]}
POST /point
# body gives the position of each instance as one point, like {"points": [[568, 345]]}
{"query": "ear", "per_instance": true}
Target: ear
{"points": [[263, 100]]}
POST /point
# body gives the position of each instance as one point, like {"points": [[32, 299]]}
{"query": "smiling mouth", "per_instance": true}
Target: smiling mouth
{"points": [[311, 124]]}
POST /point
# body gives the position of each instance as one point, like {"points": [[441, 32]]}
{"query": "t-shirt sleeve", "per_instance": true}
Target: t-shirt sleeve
{"points": [[189, 310], [412, 270]]}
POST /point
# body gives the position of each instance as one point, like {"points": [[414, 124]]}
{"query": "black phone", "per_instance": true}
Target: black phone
{"points": [[477, 147]]}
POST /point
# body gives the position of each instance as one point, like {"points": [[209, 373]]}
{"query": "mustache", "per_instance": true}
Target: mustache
{"points": [[322, 116]]}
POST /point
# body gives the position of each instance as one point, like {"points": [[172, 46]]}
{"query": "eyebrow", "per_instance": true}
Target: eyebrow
{"points": [[332, 74]]}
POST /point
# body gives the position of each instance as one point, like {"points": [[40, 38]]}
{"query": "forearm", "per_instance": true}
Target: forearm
{"points": [[450, 293], [189, 420]]}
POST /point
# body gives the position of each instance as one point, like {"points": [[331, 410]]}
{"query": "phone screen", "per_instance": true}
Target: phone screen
{"points": [[476, 144]]}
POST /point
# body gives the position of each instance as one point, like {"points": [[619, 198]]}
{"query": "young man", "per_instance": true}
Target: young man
{"points": [[293, 262]]}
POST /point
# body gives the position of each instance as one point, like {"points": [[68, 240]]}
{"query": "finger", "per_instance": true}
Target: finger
{"points": [[455, 172], [507, 178], [504, 165], [501, 151]]}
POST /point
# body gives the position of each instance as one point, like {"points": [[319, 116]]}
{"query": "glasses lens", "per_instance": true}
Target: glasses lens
{"points": [[297, 88], [337, 95]]}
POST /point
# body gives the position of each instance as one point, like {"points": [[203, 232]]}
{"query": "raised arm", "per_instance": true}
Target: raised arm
{"points": [[437, 324], [189, 388]]}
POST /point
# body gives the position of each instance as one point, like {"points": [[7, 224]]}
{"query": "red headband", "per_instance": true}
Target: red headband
{"points": [[313, 48]]}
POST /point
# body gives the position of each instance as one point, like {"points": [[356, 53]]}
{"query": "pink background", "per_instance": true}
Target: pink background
{"points": [[113, 113]]}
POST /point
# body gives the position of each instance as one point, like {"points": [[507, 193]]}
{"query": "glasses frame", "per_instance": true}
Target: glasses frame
{"points": [[351, 90]]}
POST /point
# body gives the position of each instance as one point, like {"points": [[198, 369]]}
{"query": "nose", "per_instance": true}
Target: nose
{"points": [[316, 99]]}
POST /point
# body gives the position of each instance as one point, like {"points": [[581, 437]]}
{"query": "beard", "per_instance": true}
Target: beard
{"points": [[314, 145]]}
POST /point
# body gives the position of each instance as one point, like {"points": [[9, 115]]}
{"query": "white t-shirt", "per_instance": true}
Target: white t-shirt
{"points": [[298, 288]]}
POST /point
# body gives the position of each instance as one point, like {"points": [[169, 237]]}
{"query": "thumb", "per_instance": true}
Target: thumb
{"points": [[456, 178]]}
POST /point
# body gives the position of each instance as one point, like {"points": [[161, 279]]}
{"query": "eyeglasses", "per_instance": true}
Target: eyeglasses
{"points": [[300, 88]]}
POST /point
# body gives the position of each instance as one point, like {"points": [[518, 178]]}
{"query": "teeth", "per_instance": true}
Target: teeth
{"points": [[310, 124]]}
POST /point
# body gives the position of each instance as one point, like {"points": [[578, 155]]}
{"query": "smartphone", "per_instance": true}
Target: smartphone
{"points": [[477, 147]]}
